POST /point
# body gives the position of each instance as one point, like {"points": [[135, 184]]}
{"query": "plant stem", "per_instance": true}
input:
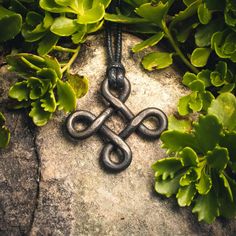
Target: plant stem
{"points": [[62, 49], [178, 51], [71, 61]]}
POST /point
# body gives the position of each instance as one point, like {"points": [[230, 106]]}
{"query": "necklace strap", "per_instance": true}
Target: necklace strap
{"points": [[115, 69]]}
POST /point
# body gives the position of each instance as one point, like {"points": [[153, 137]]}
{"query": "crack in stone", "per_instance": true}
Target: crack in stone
{"points": [[33, 131]]}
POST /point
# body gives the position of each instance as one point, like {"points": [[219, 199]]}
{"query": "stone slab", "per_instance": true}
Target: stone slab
{"points": [[77, 197]]}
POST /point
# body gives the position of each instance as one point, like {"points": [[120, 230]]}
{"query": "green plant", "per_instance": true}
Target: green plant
{"points": [[4, 132], [222, 79], [201, 166], [42, 89]]}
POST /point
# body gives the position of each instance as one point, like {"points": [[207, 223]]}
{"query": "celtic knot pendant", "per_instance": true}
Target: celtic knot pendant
{"points": [[116, 142]]}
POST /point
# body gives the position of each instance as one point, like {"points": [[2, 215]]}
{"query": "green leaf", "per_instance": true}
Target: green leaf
{"points": [[190, 176], [19, 91], [17, 6], [189, 157], [39, 115], [227, 197], [168, 186], [227, 88], [124, 19], [228, 141], [206, 98], [103, 2], [207, 207], [186, 194], [66, 96], [37, 87], [63, 26], [186, 13], [200, 56], [33, 18], [92, 28], [229, 13], [227, 186], [4, 137], [204, 32], [52, 6], [47, 43], [204, 15], [167, 167], [153, 12], [10, 24], [79, 84], [175, 141], [47, 20], [179, 125], [223, 44], [195, 102], [36, 26], [25, 63], [207, 132], [49, 75], [64, 3], [216, 79], [224, 108], [183, 105], [79, 36], [158, 60], [205, 184], [197, 85], [48, 103], [156, 38], [204, 76], [188, 78], [92, 15], [182, 33], [218, 158], [53, 63]]}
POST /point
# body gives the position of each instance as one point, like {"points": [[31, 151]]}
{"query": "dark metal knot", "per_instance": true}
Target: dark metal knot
{"points": [[115, 142], [116, 74]]}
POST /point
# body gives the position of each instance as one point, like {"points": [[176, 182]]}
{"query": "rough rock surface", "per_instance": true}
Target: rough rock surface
{"points": [[75, 195], [18, 169]]}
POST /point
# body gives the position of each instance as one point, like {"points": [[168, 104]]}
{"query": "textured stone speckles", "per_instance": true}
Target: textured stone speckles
{"points": [[18, 169]]}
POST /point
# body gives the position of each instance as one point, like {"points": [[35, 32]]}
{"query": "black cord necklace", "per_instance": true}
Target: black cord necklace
{"points": [[115, 80]]}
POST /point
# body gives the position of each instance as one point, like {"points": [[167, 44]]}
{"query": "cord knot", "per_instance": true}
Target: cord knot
{"points": [[116, 74]]}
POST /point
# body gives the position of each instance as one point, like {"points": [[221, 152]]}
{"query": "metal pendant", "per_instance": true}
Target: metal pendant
{"points": [[116, 142]]}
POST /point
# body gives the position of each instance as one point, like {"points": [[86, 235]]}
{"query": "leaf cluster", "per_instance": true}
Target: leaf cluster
{"points": [[201, 167], [44, 23], [202, 24], [222, 79], [42, 89]]}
